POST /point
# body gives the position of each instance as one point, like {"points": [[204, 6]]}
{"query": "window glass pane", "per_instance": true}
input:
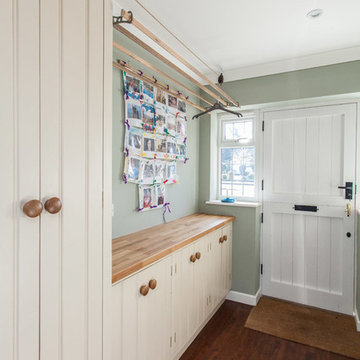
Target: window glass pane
{"points": [[238, 172], [228, 131], [238, 130]]}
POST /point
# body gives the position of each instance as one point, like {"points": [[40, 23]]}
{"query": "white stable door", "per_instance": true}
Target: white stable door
{"points": [[308, 237]]}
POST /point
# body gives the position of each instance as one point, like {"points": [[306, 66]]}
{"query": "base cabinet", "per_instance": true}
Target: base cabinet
{"points": [[158, 323], [142, 314]]}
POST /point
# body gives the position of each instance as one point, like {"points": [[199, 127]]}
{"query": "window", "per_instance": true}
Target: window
{"points": [[237, 155]]}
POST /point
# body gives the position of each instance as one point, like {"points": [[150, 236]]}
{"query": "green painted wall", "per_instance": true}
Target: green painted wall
{"points": [[246, 227], [322, 81], [316, 82], [182, 196]]}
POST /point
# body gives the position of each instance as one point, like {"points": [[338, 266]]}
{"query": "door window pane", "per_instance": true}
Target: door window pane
{"points": [[238, 172]]}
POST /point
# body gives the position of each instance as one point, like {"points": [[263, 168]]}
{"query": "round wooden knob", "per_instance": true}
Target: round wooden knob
{"points": [[221, 240], [192, 258], [144, 289], [152, 284], [53, 205], [33, 208], [198, 255], [225, 237]]}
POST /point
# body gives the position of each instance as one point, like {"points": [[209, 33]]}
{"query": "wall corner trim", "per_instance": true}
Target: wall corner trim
{"points": [[244, 298], [357, 320]]}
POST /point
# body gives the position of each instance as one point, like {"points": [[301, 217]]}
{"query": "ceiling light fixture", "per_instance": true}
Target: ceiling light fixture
{"points": [[313, 14]]}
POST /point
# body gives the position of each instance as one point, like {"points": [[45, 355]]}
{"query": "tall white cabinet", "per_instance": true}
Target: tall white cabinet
{"points": [[51, 113]]}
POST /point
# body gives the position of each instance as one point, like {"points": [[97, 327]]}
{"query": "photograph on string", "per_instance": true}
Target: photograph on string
{"points": [[180, 126], [182, 106], [148, 93], [170, 145], [149, 144], [161, 98], [160, 171], [132, 87], [132, 168], [133, 139], [172, 103], [147, 171], [160, 120], [147, 197], [171, 171], [133, 112], [148, 115], [160, 145], [171, 124], [160, 195], [180, 149]]}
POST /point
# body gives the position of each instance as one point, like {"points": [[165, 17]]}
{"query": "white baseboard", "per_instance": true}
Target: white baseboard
{"points": [[244, 298], [357, 320]]}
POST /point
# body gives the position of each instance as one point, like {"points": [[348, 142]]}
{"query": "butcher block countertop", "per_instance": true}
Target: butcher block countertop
{"points": [[133, 252]]}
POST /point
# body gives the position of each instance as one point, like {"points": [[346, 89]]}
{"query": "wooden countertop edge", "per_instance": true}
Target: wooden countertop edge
{"points": [[150, 260]]}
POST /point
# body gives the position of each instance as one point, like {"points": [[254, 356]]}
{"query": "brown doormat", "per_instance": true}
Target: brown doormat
{"points": [[306, 325]]}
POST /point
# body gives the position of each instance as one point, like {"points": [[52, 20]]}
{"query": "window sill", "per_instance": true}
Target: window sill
{"points": [[236, 203]]}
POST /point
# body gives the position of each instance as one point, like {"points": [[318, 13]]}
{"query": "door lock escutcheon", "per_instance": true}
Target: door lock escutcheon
{"points": [[348, 190]]}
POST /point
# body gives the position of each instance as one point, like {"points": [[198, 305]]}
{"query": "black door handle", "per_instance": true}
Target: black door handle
{"points": [[348, 190]]}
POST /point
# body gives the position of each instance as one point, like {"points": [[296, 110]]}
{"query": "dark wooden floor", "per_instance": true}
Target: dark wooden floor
{"points": [[226, 338]]}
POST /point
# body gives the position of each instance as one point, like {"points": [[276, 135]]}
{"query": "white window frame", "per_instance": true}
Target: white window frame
{"points": [[255, 142]]}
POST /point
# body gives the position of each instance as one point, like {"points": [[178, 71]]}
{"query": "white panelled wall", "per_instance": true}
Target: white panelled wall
{"points": [[52, 95]]}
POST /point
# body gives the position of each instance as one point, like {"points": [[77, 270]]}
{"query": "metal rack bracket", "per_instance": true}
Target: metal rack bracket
{"points": [[122, 19]]}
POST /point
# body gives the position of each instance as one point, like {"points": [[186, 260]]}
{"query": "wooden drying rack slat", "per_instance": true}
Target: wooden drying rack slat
{"points": [[158, 85], [128, 16], [152, 67], [153, 52]]}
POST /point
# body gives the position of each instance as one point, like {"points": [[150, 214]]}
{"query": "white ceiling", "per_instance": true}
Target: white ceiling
{"points": [[254, 38]]}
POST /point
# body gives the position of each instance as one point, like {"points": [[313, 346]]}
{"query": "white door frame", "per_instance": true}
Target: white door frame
{"points": [[317, 102]]}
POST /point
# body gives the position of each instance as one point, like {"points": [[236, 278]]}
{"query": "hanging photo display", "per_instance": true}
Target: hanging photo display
{"points": [[155, 138]]}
